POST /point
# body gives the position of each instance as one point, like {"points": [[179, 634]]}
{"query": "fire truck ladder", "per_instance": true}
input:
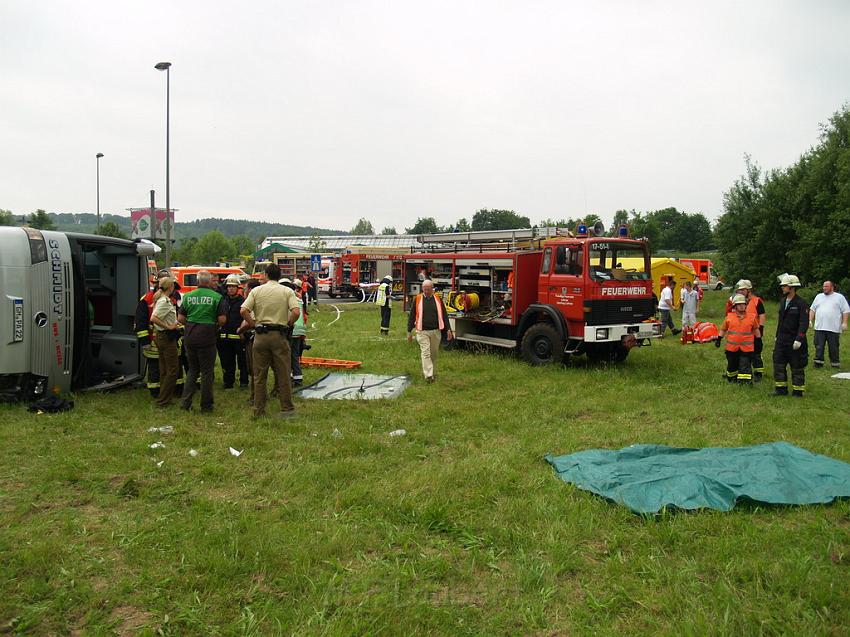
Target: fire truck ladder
{"points": [[490, 240]]}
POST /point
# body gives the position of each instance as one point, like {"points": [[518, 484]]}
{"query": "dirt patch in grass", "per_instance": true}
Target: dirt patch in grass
{"points": [[129, 619]]}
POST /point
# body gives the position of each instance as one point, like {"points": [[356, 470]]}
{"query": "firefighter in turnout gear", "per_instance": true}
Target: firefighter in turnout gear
{"points": [[755, 307], [384, 299], [791, 348], [741, 330], [145, 335], [231, 349]]}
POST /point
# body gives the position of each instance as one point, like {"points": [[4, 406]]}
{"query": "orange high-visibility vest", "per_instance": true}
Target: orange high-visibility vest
{"points": [[440, 320], [740, 332]]}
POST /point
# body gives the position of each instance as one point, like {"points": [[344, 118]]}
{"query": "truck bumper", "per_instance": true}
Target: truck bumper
{"points": [[616, 333]]}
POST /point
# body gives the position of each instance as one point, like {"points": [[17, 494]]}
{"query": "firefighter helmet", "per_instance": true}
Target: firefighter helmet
{"points": [[232, 279], [739, 298], [744, 284], [790, 280]]}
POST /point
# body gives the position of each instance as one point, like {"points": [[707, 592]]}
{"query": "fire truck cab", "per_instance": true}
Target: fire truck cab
{"points": [[550, 298]]}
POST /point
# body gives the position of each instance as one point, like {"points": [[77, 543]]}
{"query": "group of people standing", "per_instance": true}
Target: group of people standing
{"points": [[744, 325], [253, 331]]}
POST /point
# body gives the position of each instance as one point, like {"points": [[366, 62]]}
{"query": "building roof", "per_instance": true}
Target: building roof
{"points": [[339, 242]]}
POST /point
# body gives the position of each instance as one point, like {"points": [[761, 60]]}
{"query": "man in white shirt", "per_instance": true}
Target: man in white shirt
{"points": [[666, 307], [689, 298], [829, 313]]}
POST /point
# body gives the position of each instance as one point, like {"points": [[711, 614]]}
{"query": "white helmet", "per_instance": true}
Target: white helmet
{"points": [[739, 298], [388, 278], [285, 282], [744, 284], [232, 279], [790, 280], [297, 283]]}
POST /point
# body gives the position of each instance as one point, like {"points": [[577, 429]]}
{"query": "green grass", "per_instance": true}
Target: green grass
{"points": [[458, 528]]}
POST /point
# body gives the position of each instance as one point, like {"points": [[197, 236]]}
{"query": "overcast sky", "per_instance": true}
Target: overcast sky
{"points": [[323, 112]]}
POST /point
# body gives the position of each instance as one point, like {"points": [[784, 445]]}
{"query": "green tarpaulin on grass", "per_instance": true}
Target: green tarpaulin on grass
{"points": [[647, 478]]}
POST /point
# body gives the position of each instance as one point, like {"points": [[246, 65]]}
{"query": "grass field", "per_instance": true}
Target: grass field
{"points": [[457, 528]]}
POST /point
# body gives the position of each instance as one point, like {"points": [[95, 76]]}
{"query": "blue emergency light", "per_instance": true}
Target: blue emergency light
{"points": [[623, 231], [582, 230]]}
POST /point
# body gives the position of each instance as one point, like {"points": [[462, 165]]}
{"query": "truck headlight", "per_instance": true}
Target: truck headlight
{"points": [[601, 333]]}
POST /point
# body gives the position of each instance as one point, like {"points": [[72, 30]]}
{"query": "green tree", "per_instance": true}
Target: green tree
{"points": [[243, 245], [424, 225], [41, 220], [494, 219], [185, 251], [316, 244], [363, 226], [111, 229], [389, 230], [213, 247], [6, 218], [462, 225], [795, 219]]}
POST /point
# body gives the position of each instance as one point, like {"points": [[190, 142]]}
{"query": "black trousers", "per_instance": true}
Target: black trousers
{"points": [[201, 365], [823, 338], [231, 353], [758, 362], [739, 367], [386, 312], [784, 356]]}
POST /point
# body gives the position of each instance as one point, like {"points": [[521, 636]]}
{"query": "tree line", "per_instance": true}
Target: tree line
{"points": [[794, 219]]}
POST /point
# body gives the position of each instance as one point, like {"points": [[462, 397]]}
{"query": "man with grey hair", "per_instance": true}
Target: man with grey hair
{"points": [[203, 311], [829, 313], [428, 317]]}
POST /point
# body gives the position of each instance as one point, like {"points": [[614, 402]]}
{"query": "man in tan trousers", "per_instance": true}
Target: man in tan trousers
{"points": [[271, 309], [428, 317]]}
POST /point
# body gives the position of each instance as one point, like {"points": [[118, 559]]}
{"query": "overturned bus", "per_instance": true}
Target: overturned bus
{"points": [[67, 303]]}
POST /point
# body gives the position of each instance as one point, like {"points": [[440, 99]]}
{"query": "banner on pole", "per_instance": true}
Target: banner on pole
{"points": [[142, 222]]}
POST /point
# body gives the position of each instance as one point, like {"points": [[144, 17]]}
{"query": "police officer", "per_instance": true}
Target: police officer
{"points": [[791, 347], [384, 299], [271, 309], [231, 349], [203, 311]]}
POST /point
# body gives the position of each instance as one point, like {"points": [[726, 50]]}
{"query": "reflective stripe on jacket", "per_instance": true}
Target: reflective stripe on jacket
{"points": [[440, 316], [740, 332]]}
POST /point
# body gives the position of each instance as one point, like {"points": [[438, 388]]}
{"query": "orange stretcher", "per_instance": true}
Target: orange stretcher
{"points": [[329, 363]]}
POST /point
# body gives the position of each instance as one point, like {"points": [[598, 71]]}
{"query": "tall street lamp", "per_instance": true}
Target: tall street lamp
{"points": [[166, 66], [97, 161]]}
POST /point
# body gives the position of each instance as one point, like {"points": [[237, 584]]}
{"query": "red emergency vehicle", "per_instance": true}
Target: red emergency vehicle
{"points": [[548, 297], [705, 272], [359, 267]]}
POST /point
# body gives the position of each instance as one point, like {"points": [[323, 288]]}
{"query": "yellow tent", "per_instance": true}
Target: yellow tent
{"points": [[662, 269]]}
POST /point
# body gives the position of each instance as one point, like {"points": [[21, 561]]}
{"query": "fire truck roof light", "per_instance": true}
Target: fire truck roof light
{"points": [[623, 231], [582, 230]]}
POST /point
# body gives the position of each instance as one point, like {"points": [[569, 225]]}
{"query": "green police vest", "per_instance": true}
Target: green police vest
{"points": [[201, 306]]}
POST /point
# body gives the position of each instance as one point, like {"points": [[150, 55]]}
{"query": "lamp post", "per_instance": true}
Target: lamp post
{"points": [[166, 66], [97, 160]]}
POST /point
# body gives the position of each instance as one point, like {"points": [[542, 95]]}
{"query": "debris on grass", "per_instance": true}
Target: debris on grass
{"points": [[397, 433], [193, 453], [336, 433], [167, 429], [157, 445], [234, 452]]}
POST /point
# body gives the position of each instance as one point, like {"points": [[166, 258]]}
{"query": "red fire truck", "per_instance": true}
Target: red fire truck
{"points": [[548, 297], [359, 267]]}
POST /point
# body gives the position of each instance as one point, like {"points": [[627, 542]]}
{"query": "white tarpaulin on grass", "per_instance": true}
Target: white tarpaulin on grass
{"points": [[341, 386]]}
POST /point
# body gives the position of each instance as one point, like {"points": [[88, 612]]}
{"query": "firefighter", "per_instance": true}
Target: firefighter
{"points": [[755, 307], [145, 335], [231, 349], [741, 330], [791, 348], [383, 299]]}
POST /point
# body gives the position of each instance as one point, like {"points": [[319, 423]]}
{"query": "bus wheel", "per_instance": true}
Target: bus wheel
{"points": [[541, 345]]}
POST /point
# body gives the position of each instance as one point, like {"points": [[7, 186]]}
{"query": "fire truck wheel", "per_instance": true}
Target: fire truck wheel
{"points": [[719, 286], [541, 345]]}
